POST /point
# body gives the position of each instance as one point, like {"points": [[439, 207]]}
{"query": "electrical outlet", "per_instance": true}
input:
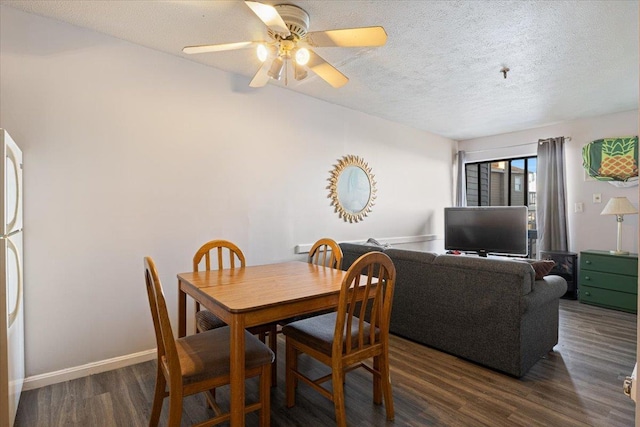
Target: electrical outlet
{"points": [[597, 198], [578, 207]]}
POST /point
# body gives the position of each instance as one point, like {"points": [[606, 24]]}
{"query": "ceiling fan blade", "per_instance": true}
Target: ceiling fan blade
{"points": [[218, 47], [261, 77], [326, 71], [270, 16], [349, 37]]}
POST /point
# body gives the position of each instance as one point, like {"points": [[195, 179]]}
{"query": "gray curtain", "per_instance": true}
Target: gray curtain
{"points": [[551, 200], [461, 190]]}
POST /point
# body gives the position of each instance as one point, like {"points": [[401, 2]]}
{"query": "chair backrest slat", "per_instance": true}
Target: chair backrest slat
{"points": [[207, 262], [220, 261], [368, 300]]}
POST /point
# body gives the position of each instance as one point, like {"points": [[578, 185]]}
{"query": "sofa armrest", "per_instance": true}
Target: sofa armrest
{"points": [[543, 291]]}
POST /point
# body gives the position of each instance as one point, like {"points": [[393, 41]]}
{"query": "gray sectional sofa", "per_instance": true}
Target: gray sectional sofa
{"points": [[490, 311]]}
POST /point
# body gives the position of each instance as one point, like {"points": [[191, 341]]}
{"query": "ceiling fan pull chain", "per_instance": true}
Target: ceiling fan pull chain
{"points": [[286, 71]]}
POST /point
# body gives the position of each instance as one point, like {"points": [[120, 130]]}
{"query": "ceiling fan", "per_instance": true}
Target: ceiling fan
{"points": [[290, 45]]}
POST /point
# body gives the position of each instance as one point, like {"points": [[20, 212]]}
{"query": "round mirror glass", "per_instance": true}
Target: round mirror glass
{"points": [[354, 189]]}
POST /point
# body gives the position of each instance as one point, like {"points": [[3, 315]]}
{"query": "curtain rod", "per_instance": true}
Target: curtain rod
{"points": [[566, 138]]}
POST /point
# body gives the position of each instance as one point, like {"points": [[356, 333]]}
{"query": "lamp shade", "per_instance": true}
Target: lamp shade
{"points": [[276, 68], [619, 206]]}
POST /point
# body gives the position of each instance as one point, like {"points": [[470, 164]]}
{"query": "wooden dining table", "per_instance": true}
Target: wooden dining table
{"points": [[256, 295]]}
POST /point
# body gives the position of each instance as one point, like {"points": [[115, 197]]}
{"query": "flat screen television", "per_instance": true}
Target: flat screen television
{"points": [[486, 229]]}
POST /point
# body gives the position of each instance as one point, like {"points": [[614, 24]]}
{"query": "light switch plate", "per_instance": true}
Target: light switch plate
{"points": [[578, 207], [597, 198]]}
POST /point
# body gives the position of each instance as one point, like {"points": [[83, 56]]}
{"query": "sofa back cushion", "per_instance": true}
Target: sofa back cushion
{"points": [[409, 255], [353, 251], [500, 266]]}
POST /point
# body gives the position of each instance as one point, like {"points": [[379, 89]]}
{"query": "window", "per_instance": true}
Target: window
{"points": [[504, 182], [517, 185]]}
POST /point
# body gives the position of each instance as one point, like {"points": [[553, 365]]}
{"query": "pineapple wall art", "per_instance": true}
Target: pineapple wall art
{"points": [[614, 160]]}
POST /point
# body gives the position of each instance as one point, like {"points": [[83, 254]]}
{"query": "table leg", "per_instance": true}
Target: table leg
{"points": [[182, 312], [237, 369]]}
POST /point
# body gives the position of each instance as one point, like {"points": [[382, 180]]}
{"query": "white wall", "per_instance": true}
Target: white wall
{"points": [[131, 152], [587, 230]]}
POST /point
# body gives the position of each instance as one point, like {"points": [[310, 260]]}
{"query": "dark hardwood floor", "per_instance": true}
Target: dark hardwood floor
{"points": [[578, 384]]}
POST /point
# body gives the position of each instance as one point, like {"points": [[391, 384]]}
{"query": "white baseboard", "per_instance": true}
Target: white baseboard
{"points": [[42, 380]]}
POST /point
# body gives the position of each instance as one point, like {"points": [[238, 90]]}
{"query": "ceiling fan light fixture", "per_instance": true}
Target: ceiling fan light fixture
{"points": [[302, 56], [276, 68], [262, 52], [288, 39], [299, 72]]}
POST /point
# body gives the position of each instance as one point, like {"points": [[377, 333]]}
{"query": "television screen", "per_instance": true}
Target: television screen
{"points": [[486, 229]]}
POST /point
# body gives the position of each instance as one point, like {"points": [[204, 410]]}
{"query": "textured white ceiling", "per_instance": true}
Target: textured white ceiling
{"points": [[440, 68]]}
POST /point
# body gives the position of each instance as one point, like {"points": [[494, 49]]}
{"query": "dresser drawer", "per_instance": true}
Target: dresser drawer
{"points": [[614, 282], [608, 298], [611, 264]]}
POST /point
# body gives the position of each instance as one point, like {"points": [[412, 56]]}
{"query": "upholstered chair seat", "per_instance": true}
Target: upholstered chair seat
{"points": [[318, 332], [201, 356], [206, 320]]}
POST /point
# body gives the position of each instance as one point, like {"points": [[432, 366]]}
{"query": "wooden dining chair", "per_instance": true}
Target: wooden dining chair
{"points": [[199, 362], [326, 252], [206, 320], [227, 255], [343, 340]]}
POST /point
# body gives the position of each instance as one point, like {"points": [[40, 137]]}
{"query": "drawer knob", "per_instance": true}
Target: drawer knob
{"points": [[587, 262], [587, 293], [587, 278]]}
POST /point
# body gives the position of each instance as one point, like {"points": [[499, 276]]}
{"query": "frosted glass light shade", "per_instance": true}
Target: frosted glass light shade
{"points": [[302, 56], [619, 206], [276, 68], [262, 52]]}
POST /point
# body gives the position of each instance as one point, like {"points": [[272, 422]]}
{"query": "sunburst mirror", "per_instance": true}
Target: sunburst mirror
{"points": [[352, 189]]}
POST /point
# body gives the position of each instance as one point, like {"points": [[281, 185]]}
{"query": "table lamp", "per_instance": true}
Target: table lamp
{"points": [[619, 206]]}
